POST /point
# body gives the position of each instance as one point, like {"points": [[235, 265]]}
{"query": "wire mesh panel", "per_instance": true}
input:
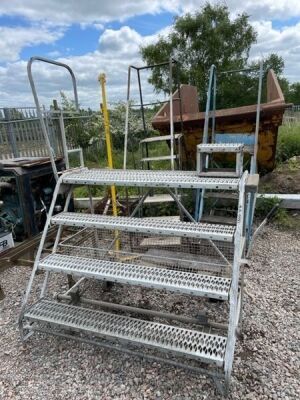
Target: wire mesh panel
{"points": [[176, 253]]}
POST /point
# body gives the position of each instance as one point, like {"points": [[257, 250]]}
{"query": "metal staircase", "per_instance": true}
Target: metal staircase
{"points": [[208, 266], [171, 256]]}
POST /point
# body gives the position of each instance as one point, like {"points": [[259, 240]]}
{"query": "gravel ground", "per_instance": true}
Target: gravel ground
{"points": [[266, 362]]}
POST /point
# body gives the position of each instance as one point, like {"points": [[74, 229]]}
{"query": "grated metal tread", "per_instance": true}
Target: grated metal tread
{"points": [[159, 158], [146, 225], [161, 138], [146, 178], [203, 346], [160, 278], [220, 147]]}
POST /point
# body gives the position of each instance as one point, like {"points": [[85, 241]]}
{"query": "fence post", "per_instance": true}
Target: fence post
{"points": [[10, 133], [49, 126]]}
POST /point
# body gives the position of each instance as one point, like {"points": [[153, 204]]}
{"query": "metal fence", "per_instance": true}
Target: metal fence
{"points": [[21, 134], [291, 116]]}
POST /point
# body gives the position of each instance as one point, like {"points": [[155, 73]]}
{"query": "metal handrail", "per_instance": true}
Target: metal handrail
{"points": [[232, 71], [211, 113], [212, 81], [253, 167], [171, 62], [211, 84], [37, 103]]}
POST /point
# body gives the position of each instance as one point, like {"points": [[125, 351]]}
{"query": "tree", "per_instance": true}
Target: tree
{"points": [[293, 93], [89, 127], [198, 40], [241, 89], [80, 131]]}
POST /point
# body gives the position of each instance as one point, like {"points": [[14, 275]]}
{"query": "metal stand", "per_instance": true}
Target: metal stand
{"points": [[217, 144], [187, 258], [204, 261]]}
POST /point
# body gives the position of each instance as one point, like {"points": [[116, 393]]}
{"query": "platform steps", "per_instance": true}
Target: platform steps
{"points": [[205, 154], [190, 343], [60, 318], [222, 205], [156, 226], [132, 274], [147, 143]]}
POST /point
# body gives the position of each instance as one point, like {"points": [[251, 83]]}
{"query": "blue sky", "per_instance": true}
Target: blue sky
{"points": [[79, 40], [95, 36]]}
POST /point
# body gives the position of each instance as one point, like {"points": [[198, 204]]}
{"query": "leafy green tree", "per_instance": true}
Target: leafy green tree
{"points": [[241, 89], [80, 131], [84, 131], [293, 93], [209, 37], [199, 40]]}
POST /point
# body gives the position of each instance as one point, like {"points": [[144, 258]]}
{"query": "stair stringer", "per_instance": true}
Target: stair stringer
{"points": [[234, 295], [59, 188]]}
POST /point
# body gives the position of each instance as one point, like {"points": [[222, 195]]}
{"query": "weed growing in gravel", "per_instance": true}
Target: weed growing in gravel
{"points": [[282, 218]]}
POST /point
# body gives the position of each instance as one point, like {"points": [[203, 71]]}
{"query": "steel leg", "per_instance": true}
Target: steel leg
{"points": [[57, 239]]}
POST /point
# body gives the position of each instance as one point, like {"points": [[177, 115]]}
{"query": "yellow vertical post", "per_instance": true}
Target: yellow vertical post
{"points": [[104, 110]]}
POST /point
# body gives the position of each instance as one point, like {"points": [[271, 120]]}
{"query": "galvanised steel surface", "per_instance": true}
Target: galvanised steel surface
{"points": [[159, 158], [202, 346], [220, 147], [160, 278], [146, 178], [162, 138], [147, 225]]}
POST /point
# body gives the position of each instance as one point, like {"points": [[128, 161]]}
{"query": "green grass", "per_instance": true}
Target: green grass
{"points": [[288, 142], [282, 218]]}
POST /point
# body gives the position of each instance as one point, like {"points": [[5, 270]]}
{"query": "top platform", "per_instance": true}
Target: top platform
{"points": [[146, 178], [220, 148]]}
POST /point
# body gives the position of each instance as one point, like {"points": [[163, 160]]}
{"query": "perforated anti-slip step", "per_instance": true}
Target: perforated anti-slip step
{"points": [[159, 158], [146, 178], [194, 344], [220, 147], [161, 138], [159, 278], [147, 225]]}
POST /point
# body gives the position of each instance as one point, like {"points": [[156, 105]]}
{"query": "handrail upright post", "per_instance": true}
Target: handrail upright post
{"points": [[127, 119], [171, 112], [38, 106], [205, 130]]}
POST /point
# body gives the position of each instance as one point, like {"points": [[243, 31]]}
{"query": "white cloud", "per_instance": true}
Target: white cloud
{"points": [[119, 48], [88, 11], [262, 9], [124, 41], [54, 54], [102, 11], [13, 40], [284, 42], [115, 53]]}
